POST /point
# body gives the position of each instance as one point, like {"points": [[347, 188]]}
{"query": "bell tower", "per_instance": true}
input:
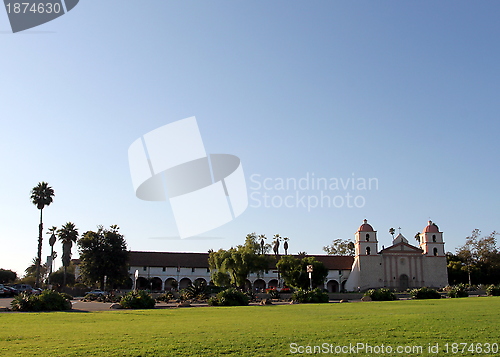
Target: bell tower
{"points": [[366, 240], [431, 240]]}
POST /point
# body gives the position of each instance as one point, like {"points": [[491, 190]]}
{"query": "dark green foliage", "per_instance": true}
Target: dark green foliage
{"points": [[458, 291], [273, 293], [58, 278], [340, 247], [493, 290], [102, 298], [103, 253], [137, 300], [310, 296], [197, 290], [229, 297], [237, 263], [213, 301], [425, 293], [382, 294], [48, 300], [7, 276], [294, 271], [166, 297]]}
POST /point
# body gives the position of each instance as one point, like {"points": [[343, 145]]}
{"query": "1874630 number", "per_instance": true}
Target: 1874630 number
{"points": [[26, 7]]}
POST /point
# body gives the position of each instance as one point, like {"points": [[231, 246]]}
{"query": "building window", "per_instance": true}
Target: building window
{"points": [[367, 237], [435, 251], [145, 268], [368, 250], [208, 270], [192, 270], [164, 268], [434, 238]]}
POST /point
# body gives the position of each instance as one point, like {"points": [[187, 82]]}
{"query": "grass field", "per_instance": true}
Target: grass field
{"points": [[260, 330]]}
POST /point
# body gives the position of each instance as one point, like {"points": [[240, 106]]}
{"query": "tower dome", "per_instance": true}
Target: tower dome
{"points": [[365, 227], [431, 228]]}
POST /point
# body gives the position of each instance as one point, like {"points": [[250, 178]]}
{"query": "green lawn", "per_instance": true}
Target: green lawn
{"points": [[257, 330]]}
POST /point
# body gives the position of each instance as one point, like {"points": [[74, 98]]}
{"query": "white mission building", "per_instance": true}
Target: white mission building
{"points": [[400, 266]]}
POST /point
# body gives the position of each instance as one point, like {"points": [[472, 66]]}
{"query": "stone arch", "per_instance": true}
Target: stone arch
{"points": [[332, 286], [259, 285], [201, 281], [142, 283], [171, 284], [248, 285], [184, 283], [368, 250], [273, 283], [156, 284]]}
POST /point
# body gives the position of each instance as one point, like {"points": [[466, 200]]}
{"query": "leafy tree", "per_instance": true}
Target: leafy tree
{"points": [[62, 278], [64, 275], [7, 276], [457, 269], [294, 271], [480, 254], [31, 271], [237, 263], [340, 247], [103, 254], [41, 196], [68, 234]]}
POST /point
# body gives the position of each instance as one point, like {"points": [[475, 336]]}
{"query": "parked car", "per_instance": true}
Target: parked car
{"points": [[2, 290], [23, 288], [97, 292], [10, 291]]}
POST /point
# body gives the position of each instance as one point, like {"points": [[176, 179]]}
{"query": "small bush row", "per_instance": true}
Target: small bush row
{"points": [[139, 299], [493, 290], [229, 297], [310, 296], [382, 294], [425, 293], [48, 300]]}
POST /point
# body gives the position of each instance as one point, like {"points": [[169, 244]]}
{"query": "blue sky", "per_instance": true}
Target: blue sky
{"points": [[404, 92]]}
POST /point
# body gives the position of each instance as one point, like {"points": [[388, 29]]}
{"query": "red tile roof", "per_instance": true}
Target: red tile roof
{"points": [[200, 260]]}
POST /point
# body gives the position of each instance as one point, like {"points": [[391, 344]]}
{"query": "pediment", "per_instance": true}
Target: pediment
{"points": [[402, 247]]}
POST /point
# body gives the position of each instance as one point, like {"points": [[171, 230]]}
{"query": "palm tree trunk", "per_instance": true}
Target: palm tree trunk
{"points": [[39, 256], [64, 278]]}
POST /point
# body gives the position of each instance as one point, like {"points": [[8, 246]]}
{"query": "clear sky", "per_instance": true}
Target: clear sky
{"points": [[403, 92]]}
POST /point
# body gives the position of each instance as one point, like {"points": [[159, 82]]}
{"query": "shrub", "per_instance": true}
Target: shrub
{"points": [[213, 301], [493, 290], [425, 293], [229, 297], [102, 298], [273, 293], [194, 291], [166, 297], [458, 291], [137, 300], [310, 296], [48, 300], [382, 294]]}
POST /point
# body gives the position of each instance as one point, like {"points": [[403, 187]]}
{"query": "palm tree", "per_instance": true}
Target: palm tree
{"points": [[67, 235], [285, 245], [52, 240], [262, 237], [41, 196]]}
